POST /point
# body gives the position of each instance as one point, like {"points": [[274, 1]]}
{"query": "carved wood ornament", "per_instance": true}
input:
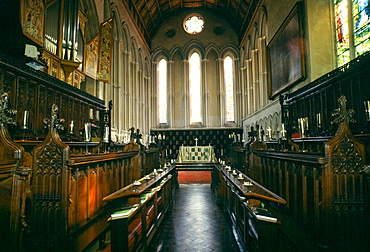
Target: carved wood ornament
{"points": [[343, 201], [12, 180], [49, 185]]}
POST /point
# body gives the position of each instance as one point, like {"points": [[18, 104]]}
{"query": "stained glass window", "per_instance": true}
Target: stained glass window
{"points": [[361, 14], [352, 28], [194, 88], [193, 24], [341, 17], [229, 88], [162, 91]]}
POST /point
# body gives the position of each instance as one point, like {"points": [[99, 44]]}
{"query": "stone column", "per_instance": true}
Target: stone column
{"points": [[263, 70], [249, 84], [255, 76]]}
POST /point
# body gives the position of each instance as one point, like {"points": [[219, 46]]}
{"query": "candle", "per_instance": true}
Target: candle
{"points": [[106, 134], [91, 114], [367, 110], [87, 131], [302, 124], [319, 120], [269, 133], [25, 119], [71, 129], [283, 131]]}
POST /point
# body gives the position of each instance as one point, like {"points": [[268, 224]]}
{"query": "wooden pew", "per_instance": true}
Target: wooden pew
{"points": [[139, 210], [247, 203]]}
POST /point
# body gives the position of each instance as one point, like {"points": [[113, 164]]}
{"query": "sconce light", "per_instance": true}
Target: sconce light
{"points": [[32, 57], [367, 110]]}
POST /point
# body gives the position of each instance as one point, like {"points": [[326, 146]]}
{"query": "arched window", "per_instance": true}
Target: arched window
{"points": [[352, 28], [162, 91], [229, 88], [194, 88]]}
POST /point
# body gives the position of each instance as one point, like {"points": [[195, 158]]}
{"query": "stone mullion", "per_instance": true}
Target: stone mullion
{"points": [[186, 92], [237, 93], [219, 65], [205, 94], [170, 89], [154, 97]]}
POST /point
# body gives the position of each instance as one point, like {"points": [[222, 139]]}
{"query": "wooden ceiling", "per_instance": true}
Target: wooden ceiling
{"points": [[150, 14]]}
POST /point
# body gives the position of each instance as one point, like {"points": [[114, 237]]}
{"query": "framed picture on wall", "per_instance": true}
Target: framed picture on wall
{"points": [[286, 54]]}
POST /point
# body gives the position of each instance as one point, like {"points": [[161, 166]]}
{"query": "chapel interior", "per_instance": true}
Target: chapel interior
{"points": [[185, 125]]}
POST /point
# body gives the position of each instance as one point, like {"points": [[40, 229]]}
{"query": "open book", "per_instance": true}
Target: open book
{"points": [[123, 213], [263, 214]]}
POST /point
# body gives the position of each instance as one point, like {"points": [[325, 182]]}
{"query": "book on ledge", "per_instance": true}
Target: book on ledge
{"points": [[123, 213], [263, 214]]}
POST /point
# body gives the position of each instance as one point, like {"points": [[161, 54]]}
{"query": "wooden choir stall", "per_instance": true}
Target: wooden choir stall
{"points": [[56, 164], [320, 164]]}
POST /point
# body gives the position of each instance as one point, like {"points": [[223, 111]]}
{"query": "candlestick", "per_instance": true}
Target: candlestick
{"points": [[25, 119]]}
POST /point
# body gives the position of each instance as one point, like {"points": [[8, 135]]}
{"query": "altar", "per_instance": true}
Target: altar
{"points": [[196, 154]]}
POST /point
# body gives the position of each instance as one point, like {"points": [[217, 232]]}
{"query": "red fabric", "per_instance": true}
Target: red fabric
{"points": [[194, 177]]}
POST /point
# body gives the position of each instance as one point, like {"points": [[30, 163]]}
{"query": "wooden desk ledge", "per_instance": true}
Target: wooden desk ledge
{"points": [[250, 189], [145, 183]]}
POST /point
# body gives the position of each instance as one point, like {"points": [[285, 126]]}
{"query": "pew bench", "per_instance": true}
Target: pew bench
{"points": [[141, 207]]}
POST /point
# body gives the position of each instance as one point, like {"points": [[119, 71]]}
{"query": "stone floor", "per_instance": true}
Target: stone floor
{"points": [[196, 223]]}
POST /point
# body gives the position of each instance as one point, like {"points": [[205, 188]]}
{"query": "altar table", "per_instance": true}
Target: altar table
{"points": [[196, 154]]}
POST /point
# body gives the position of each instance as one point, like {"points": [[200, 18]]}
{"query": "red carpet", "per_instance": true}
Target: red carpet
{"points": [[194, 177]]}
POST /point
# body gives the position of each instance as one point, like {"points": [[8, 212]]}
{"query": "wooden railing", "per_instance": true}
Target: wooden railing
{"points": [[35, 92]]}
